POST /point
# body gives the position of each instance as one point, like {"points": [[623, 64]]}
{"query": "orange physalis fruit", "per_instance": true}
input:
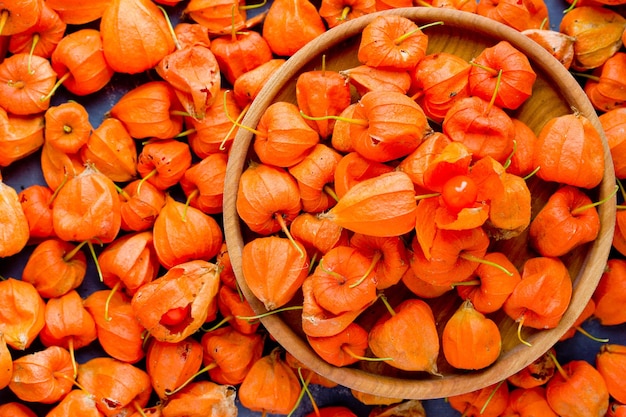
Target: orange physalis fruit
{"points": [[14, 229], [24, 81], [391, 338], [291, 24], [380, 206], [610, 293], [55, 267], [44, 376], [230, 354], [194, 73], [503, 71], [76, 403], [176, 226], [190, 286], [80, 64], [68, 323], [67, 126], [267, 196], [392, 42], [129, 261], [391, 126], [6, 364], [570, 151], [169, 365], [15, 409], [579, 389], [117, 387], [147, 111], [112, 150], [135, 35], [20, 136], [271, 386], [470, 340], [119, 333], [202, 398], [21, 313], [19, 16], [87, 208], [274, 269]]}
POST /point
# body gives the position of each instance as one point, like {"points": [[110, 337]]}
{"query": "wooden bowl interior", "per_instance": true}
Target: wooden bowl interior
{"points": [[555, 93]]}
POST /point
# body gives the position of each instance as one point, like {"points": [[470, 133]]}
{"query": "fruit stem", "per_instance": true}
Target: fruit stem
{"points": [[207, 368], [519, 332], [108, 300], [579, 210], [33, 44], [410, 33], [383, 298], [170, 28], [484, 407], [373, 264], [285, 229], [472, 258], [269, 313], [466, 283], [236, 122], [360, 122], [558, 366], [350, 353], [232, 129], [55, 87], [590, 336], [507, 163]]}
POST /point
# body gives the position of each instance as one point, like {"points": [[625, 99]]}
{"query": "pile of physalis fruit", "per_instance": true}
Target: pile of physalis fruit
{"points": [[394, 201]]}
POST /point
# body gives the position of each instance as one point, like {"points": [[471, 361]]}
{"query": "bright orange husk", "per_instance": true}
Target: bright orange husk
{"points": [[232, 352], [24, 81], [118, 387], [146, 111], [14, 230], [87, 208], [380, 206], [21, 313], [44, 376], [271, 386], [119, 332], [112, 151], [409, 351], [470, 340], [194, 73], [6, 364], [20, 136], [135, 35], [177, 226], [169, 365], [79, 57], [194, 284], [274, 269], [569, 151], [202, 398]]}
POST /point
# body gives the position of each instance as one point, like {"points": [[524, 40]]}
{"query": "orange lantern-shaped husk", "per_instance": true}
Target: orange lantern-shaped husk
{"points": [[135, 35], [87, 208], [21, 313], [14, 225], [175, 305], [118, 387]]}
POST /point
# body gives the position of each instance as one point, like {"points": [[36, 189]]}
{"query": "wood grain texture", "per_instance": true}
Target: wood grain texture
{"points": [[555, 93]]}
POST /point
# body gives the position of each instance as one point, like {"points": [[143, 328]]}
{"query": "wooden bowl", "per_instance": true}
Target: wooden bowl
{"points": [[555, 93]]}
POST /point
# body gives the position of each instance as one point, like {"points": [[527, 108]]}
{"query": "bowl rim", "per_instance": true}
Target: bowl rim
{"points": [[459, 383]]}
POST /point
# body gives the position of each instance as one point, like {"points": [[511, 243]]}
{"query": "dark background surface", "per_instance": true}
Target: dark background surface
{"points": [[27, 172]]}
